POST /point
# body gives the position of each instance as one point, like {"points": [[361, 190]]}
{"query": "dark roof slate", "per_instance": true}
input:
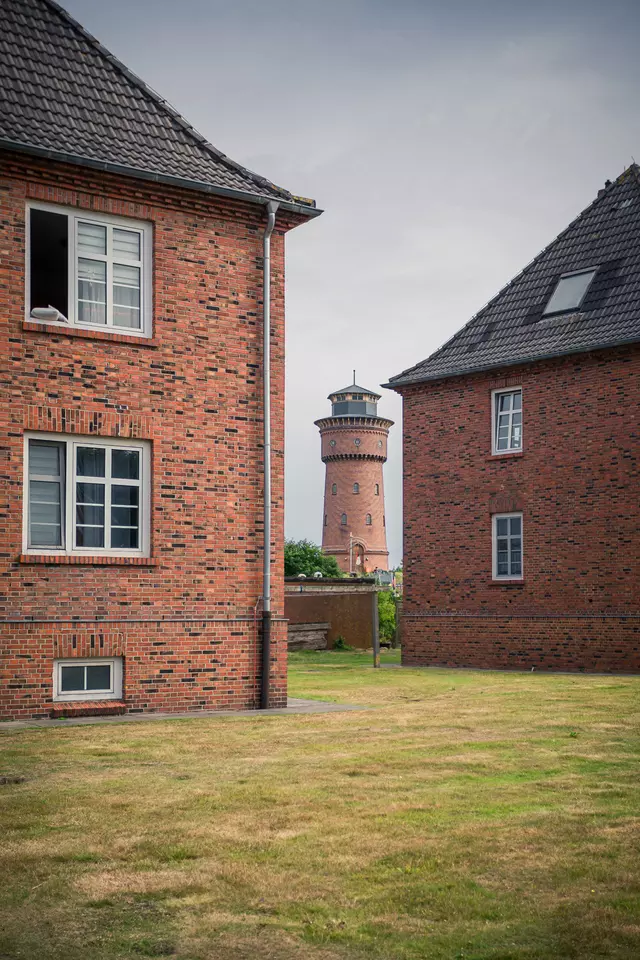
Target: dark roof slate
{"points": [[511, 328], [62, 91]]}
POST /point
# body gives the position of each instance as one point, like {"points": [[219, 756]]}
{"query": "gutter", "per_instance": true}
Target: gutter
{"points": [[291, 206], [265, 681]]}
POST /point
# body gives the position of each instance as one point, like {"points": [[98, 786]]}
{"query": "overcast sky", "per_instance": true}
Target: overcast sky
{"points": [[447, 142]]}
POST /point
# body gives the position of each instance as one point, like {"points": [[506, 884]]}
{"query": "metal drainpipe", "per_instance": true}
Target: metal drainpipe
{"points": [[272, 207]]}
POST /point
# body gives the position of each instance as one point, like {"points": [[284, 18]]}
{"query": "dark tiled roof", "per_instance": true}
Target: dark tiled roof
{"points": [[511, 328], [354, 388], [62, 92]]}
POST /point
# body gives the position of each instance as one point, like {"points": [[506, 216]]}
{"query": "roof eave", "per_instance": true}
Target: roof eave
{"points": [[402, 384], [121, 169]]}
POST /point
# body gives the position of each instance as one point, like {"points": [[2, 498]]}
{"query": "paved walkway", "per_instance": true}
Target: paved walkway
{"points": [[294, 706]]}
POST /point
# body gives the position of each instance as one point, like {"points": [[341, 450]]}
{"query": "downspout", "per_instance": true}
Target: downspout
{"points": [[272, 207]]}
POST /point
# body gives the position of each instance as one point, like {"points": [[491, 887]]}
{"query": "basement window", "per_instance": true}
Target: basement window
{"points": [[89, 271], [95, 679], [570, 291]]}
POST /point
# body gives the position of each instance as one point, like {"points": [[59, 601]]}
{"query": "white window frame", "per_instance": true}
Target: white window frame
{"points": [[494, 546], [495, 395], [114, 692], [72, 442], [74, 216]]}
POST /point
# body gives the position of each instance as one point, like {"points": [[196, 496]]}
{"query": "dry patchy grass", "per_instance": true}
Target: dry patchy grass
{"points": [[467, 815]]}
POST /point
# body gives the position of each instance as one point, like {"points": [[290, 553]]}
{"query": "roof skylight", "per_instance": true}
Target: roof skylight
{"points": [[569, 292]]}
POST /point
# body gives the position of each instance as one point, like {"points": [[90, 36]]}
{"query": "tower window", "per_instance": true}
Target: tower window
{"points": [[334, 489], [376, 489], [357, 442], [368, 520], [343, 520], [325, 520], [356, 488]]}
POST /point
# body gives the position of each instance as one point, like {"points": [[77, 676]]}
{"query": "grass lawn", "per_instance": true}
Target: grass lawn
{"points": [[468, 815]]}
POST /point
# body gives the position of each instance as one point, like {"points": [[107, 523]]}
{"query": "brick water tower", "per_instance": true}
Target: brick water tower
{"points": [[354, 448]]}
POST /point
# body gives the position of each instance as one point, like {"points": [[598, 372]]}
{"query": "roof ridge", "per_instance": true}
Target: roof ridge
{"points": [[633, 167], [163, 103]]}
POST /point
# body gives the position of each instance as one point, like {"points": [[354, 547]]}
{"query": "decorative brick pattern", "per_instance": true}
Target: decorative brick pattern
{"points": [[188, 620], [576, 483]]}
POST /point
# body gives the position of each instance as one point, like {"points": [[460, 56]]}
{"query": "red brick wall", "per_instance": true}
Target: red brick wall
{"points": [[185, 621], [352, 466], [576, 483]]}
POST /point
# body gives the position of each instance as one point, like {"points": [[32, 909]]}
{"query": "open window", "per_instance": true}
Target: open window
{"points": [[90, 271]]}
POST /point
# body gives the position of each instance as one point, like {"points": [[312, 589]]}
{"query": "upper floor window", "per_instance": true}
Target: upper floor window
{"points": [[356, 488], [507, 546], [343, 520], [570, 291], [86, 496], [89, 270], [507, 420], [376, 489], [334, 489], [368, 520]]}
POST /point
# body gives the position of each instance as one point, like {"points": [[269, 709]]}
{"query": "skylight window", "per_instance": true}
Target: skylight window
{"points": [[569, 292]]}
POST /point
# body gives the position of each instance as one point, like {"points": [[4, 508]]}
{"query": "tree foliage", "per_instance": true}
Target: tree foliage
{"points": [[302, 556], [386, 616]]}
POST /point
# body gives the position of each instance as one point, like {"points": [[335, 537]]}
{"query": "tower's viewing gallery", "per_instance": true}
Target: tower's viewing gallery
{"points": [[354, 449]]}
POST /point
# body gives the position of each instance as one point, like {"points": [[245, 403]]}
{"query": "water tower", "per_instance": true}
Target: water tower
{"points": [[354, 449]]}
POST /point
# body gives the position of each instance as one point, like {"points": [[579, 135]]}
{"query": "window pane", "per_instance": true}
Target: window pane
{"points": [[45, 535], [89, 493], [90, 536], [124, 496], [124, 516], [44, 459], [569, 292], [516, 568], [516, 525], [92, 291], [126, 243], [71, 679], [125, 464], [502, 527], [126, 296], [124, 538], [92, 238], [503, 568], [44, 491], [93, 516], [517, 400], [90, 462], [99, 676], [505, 401], [45, 511]]}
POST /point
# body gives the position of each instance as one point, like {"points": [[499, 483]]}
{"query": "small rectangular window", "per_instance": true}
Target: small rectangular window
{"points": [[92, 271], [569, 292], [94, 679], [87, 496], [507, 420], [507, 546]]}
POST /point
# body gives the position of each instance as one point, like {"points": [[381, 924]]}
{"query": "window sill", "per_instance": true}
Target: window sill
{"points": [[498, 584], [87, 708], [514, 454], [55, 329], [93, 560]]}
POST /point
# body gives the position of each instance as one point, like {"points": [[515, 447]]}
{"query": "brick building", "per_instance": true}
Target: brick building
{"points": [[134, 264], [521, 506], [354, 449]]}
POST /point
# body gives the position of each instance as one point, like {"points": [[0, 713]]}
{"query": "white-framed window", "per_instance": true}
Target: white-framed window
{"points": [[507, 546], [89, 270], [506, 420], [86, 496], [99, 678], [570, 291]]}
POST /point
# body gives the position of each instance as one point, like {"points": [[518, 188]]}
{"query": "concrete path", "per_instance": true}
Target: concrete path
{"points": [[294, 706]]}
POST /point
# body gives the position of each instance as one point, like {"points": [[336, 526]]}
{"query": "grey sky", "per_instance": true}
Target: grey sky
{"points": [[448, 142]]}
